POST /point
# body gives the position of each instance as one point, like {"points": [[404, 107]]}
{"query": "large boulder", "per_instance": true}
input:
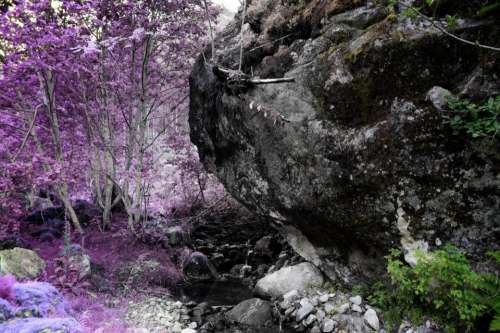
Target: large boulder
{"points": [[22, 263], [351, 154], [299, 277]]}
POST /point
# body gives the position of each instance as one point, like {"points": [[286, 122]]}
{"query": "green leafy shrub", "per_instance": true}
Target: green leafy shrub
{"points": [[475, 120], [442, 286]]}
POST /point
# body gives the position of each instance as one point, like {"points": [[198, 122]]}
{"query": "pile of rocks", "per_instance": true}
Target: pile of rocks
{"points": [[156, 314], [321, 311]]}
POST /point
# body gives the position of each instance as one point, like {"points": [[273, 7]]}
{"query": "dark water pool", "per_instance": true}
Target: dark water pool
{"points": [[215, 293]]}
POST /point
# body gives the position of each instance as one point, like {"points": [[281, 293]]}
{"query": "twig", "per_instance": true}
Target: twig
{"points": [[270, 81], [437, 26], [271, 42], [240, 77], [25, 139]]}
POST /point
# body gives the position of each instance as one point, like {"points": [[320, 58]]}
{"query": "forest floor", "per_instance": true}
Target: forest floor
{"points": [[132, 284]]}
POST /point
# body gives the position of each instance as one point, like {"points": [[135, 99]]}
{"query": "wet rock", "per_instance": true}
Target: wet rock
{"points": [[371, 318], [22, 263], [252, 312], [198, 267], [199, 311], [263, 246], [299, 277]]}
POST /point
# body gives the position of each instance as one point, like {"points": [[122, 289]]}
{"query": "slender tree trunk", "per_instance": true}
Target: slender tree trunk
{"points": [[47, 81]]}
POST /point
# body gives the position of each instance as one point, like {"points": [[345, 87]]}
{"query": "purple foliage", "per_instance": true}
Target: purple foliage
{"points": [[35, 325], [6, 286], [6, 310], [42, 297]]}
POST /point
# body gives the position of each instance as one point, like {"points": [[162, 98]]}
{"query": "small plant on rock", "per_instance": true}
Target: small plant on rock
{"points": [[475, 120]]}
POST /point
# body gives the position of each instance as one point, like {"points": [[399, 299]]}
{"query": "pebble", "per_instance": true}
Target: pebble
{"points": [[309, 320], [305, 309], [315, 329], [371, 319], [177, 328], [324, 298], [188, 330], [329, 308], [356, 300], [328, 326], [320, 314], [356, 308], [343, 308]]}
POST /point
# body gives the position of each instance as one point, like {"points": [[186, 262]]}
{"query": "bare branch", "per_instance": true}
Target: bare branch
{"points": [[443, 30]]}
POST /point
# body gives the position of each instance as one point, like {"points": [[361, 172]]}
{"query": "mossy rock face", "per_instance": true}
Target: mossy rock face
{"points": [[352, 151], [22, 263]]}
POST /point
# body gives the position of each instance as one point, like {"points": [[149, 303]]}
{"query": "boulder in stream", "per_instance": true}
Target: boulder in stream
{"points": [[299, 277]]}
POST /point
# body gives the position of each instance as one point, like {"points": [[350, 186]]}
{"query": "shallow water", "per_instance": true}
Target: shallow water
{"points": [[215, 293]]}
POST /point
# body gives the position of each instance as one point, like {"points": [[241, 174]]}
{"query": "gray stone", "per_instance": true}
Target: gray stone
{"points": [[305, 309], [356, 308], [299, 277], [371, 318], [343, 308], [356, 300], [329, 308], [320, 314], [315, 329], [324, 298], [198, 267], [252, 312], [188, 330], [310, 320], [328, 326], [439, 97]]}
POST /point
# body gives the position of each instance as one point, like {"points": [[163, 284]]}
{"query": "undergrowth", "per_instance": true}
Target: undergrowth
{"points": [[442, 287], [475, 120]]}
